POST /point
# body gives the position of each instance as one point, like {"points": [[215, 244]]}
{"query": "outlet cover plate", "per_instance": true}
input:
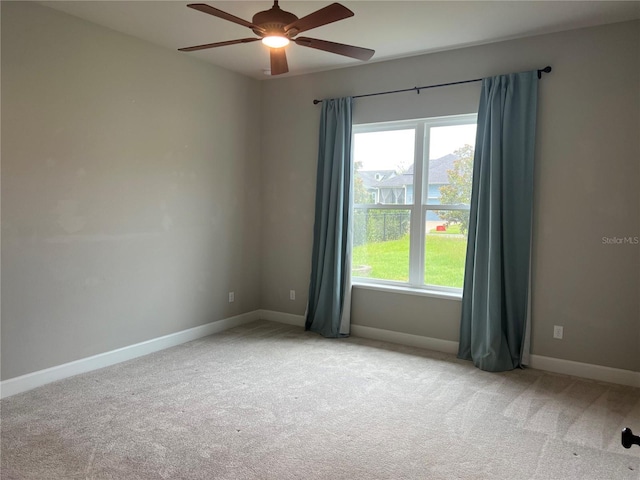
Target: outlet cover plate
{"points": [[558, 332]]}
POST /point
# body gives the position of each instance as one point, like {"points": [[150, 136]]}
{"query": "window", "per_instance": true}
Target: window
{"points": [[412, 189]]}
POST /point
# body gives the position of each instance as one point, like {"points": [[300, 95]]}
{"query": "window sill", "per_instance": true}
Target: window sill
{"points": [[408, 290]]}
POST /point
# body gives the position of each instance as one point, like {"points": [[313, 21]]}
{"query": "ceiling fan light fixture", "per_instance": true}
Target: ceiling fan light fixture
{"points": [[275, 41]]}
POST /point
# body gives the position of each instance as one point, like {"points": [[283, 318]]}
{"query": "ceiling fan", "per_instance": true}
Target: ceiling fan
{"points": [[276, 28]]}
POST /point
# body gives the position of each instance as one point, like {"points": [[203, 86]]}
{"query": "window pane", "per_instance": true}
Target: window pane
{"points": [[381, 244], [445, 247], [383, 166], [450, 164]]}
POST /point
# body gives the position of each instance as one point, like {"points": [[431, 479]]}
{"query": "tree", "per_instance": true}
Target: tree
{"points": [[360, 193], [458, 191]]}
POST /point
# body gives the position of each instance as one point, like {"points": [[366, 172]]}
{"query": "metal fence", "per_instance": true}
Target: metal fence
{"points": [[379, 225]]}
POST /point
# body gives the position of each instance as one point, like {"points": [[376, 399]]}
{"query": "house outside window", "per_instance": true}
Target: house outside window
{"points": [[412, 189]]}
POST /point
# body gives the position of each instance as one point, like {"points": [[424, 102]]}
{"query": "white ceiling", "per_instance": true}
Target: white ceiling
{"points": [[393, 29]]}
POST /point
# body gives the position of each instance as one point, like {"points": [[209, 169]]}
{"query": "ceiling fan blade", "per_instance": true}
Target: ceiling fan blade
{"points": [[218, 44], [278, 61], [203, 7], [339, 48], [329, 14]]}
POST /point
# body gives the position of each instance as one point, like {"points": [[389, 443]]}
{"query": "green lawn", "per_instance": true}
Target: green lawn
{"points": [[444, 259]]}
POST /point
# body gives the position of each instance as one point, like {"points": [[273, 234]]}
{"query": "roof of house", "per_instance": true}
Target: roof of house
{"points": [[438, 168], [369, 177], [396, 181]]}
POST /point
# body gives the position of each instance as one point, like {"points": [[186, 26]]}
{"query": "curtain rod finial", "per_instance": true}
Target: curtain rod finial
{"points": [[315, 102], [546, 69]]}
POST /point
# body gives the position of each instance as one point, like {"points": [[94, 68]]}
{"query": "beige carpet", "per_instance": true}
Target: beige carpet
{"points": [[269, 401]]}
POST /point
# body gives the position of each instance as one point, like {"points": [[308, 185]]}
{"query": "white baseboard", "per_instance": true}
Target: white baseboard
{"points": [[371, 333], [408, 339], [280, 317], [586, 370], [29, 381], [539, 362]]}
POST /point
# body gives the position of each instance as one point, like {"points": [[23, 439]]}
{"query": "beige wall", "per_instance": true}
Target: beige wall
{"points": [[130, 185], [586, 184]]}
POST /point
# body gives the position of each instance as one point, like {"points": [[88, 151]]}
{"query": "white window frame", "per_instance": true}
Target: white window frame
{"points": [[419, 208]]}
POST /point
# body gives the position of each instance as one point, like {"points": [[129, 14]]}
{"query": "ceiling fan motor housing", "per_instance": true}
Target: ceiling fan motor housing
{"points": [[273, 21]]}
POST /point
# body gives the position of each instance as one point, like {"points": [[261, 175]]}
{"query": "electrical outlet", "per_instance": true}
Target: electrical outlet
{"points": [[558, 332], [292, 294], [232, 297]]}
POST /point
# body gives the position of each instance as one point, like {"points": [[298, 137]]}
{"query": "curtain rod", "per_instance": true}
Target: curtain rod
{"points": [[546, 69]]}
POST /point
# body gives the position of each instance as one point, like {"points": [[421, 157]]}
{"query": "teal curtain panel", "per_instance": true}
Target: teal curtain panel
{"points": [[495, 323], [329, 307]]}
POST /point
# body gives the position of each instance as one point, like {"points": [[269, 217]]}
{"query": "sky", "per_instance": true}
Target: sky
{"points": [[392, 149]]}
